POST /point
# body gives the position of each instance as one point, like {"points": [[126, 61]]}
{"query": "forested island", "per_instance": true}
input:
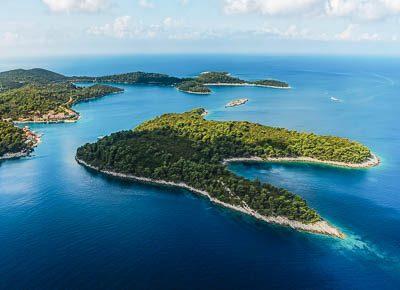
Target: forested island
{"points": [[195, 85], [224, 78], [188, 151]]}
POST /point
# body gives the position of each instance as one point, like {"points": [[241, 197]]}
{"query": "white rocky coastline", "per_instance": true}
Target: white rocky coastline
{"points": [[195, 93], [245, 85], [373, 161], [14, 155], [24, 153], [321, 227]]}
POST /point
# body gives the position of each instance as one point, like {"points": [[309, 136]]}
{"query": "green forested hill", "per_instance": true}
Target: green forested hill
{"points": [[186, 148], [38, 95], [20, 77], [133, 78], [193, 87], [218, 77], [248, 139], [33, 100], [12, 139]]}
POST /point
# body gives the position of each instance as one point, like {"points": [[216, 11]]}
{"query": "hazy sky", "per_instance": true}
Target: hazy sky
{"points": [[57, 27]]}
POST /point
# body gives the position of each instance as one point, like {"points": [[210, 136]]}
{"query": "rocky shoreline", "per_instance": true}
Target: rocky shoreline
{"points": [[48, 122], [195, 93], [372, 162], [321, 227], [245, 85], [35, 139]]}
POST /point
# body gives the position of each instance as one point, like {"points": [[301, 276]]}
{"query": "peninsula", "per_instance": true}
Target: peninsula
{"points": [[187, 151], [37, 96], [16, 142]]}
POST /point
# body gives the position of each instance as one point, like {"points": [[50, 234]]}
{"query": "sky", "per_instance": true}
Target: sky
{"points": [[80, 27]]}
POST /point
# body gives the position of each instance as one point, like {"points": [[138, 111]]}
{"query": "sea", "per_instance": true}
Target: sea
{"points": [[64, 227]]}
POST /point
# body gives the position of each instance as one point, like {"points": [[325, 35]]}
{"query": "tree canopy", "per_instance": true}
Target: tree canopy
{"points": [[187, 148]]}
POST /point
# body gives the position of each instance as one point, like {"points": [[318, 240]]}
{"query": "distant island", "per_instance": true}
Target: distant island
{"points": [[187, 151], [196, 85], [200, 84]]}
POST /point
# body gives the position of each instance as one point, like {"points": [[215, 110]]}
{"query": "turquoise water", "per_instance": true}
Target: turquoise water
{"points": [[64, 227]]}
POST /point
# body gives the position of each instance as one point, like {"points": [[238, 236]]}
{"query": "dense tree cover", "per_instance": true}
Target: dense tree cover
{"points": [[31, 94], [244, 139], [193, 87], [12, 139], [17, 78], [271, 83], [218, 77], [187, 148], [190, 85], [224, 77], [134, 78], [36, 100], [165, 154]]}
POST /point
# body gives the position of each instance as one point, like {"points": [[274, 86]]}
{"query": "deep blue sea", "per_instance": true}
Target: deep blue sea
{"points": [[63, 227]]}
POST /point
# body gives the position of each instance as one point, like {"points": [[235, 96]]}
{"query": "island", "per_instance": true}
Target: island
{"points": [[236, 103], [194, 85], [225, 79], [185, 150]]}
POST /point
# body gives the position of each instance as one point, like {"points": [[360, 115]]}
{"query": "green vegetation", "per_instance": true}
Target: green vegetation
{"points": [[12, 139], [218, 77], [34, 102], [189, 85], [199, 84], [134, 78], [38, 95], [271, 83], [226, 78], [193, 87], [20, 77], [245, 139], [187, 148]]}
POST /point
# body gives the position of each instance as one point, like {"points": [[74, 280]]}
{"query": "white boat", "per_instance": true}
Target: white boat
{"points": [[335, 99]]}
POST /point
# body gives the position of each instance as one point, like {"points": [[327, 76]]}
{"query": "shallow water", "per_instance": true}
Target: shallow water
{"points": [[62, 226]]}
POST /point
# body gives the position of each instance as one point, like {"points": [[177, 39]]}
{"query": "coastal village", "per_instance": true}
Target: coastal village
{"points": [[31, 136], [52, 116]]}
